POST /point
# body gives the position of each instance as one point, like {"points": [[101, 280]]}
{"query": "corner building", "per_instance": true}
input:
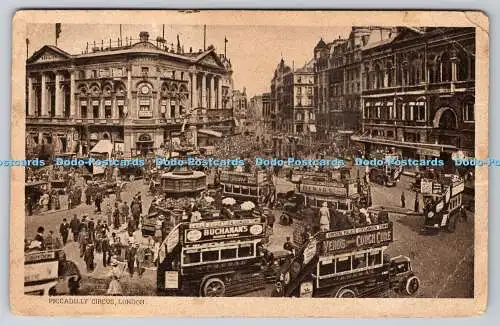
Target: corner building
{"points": [[135, 95], [418, 91]]}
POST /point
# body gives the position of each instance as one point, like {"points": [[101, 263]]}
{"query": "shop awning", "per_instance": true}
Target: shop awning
{"points": [[210, 133], [312, 128], [103, 146]]}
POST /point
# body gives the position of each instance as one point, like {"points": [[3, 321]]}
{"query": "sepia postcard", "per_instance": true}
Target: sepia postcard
{"points": [[249, 163]]}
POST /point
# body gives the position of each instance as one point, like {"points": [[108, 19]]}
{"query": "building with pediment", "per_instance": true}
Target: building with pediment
{"points": [[418, 90], [135, 95]]}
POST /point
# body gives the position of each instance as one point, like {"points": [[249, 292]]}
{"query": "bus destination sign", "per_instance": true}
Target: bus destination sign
{"points": [[356, 239]]}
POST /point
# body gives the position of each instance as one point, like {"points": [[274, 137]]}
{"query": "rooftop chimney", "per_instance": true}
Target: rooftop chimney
{"points": [[144, 36]]}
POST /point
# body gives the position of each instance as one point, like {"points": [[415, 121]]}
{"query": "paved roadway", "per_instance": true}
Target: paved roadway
{"points": [[443, 262]]}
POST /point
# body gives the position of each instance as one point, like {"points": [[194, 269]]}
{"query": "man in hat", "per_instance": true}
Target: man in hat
{"points": [[88, 256], [125, 212], [116, 217], [106, 249], [108, 211], [74, 225], [40, 237], [91, 226], [270, 218], [140, 257], [130, 257], [64, 230]]}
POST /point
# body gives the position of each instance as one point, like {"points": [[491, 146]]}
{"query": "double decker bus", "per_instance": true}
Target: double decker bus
{"points": [[442, 202], [347, 263], [245, 186], [48, 272], [215, 258], [388, 174]]}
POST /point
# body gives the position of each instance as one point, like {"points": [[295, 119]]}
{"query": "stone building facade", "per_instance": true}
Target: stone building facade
{"points": [[135, 95], [418, 93]]}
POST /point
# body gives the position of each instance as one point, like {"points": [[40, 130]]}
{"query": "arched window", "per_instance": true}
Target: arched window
{"points": [[448, 120], [389, 75], [445, 67], [378, 77], [463, 65]]}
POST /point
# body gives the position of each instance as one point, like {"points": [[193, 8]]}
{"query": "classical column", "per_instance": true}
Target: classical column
{"points": [[192, 87], [114, 108], [196, 91], [177, 108], [204, 90], [57, 98], [72, 91], [168, 114], [129, 92], [212, 92], [30, 96], [44, 109], [102, 114], [219, 93]]}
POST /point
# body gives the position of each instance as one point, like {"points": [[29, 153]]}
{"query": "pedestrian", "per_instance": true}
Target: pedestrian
{"points": [[64, 231], [114, 287], [106, 249], [98, 200], [288, 245], [324, 220], [40, 237], [70, 199], [125, 212], [269, 217], [136, 213], [403, 199], [87, 194], [140, 257], [74, 225], [108, 211], [116, 217], [417, 203], [91, 229], [130, 253], [88, 257]]}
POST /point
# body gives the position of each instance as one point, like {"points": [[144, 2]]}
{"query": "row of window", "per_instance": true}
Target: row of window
{"points": [[332, 203], [416, 73], [199, 256], [409, 112], [121, 72], [145, 109], [244, 190], [357, 261], [455, 202]]}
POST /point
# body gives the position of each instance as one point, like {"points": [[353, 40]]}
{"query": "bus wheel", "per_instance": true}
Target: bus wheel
{"points": [[346, 293], [452, 224], [412, 285], [214, 287]]}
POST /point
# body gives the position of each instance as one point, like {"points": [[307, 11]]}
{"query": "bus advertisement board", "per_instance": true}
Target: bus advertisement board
{"points": [[357, 239], [223, 230]]}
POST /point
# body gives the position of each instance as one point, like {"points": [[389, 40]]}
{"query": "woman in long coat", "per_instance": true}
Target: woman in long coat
{"points": [[115, 287]]}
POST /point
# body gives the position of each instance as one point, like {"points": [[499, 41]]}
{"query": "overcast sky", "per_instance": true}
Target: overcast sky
{"points": [[254, 52]]}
